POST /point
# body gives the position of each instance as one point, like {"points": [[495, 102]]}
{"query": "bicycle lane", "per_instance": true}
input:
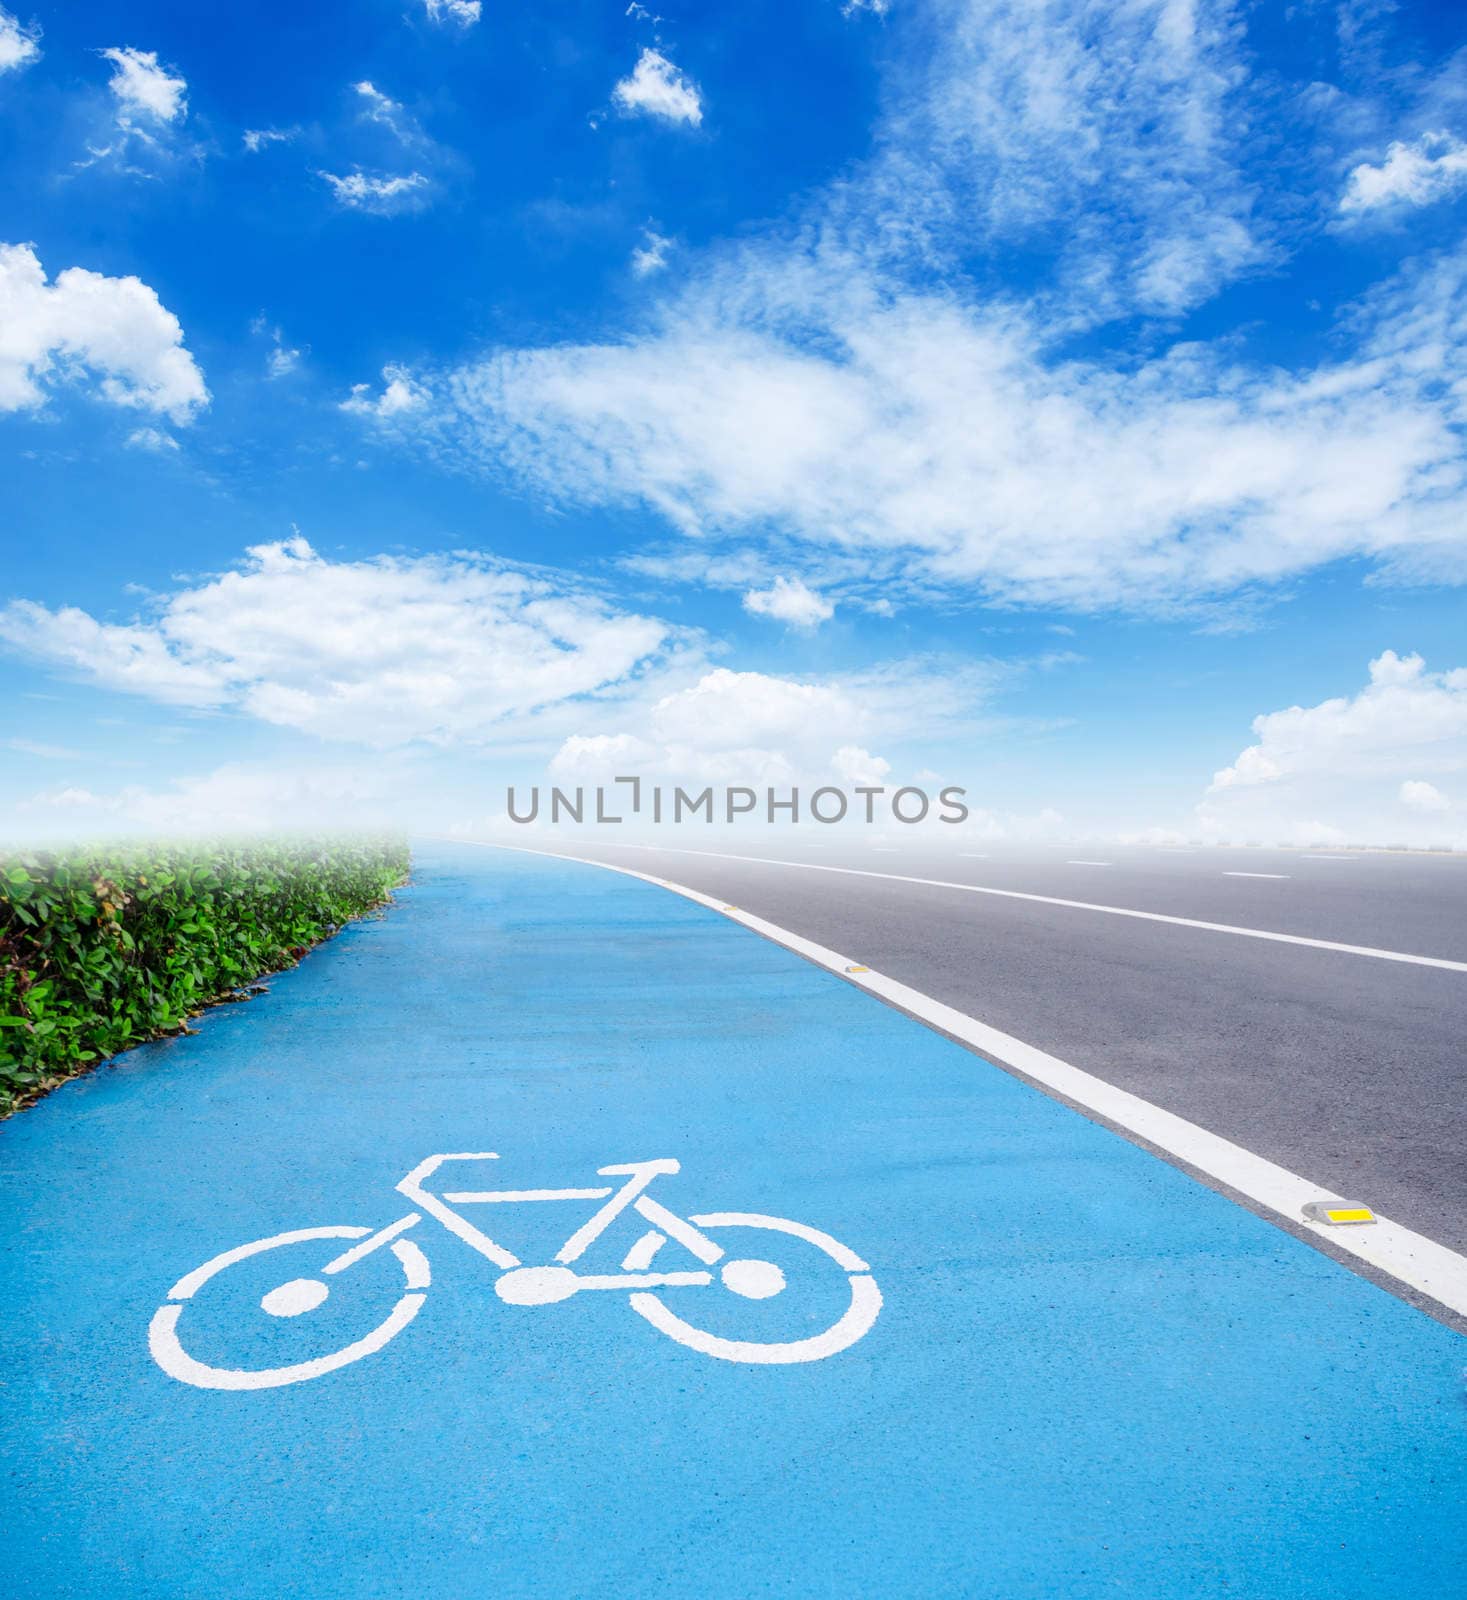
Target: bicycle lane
{"points": [[1089, 1374]]}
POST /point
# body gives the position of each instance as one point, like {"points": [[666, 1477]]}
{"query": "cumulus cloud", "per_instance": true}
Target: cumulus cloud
{"points": [[144, 89], [657, 89], [382, 195], [19, 46], [382, 651], [755, 727], [1432, 168], [401, 393], [1347, 766], [1404, 716], [1421, 796], [789, 600], [111, 334], [851, 764]]}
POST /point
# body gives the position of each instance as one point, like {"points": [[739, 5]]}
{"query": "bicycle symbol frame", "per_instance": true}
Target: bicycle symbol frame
{"points": [[520, 1285]]}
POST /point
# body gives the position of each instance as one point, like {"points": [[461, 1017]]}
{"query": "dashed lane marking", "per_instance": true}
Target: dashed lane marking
{"points": [[1046, 900]]}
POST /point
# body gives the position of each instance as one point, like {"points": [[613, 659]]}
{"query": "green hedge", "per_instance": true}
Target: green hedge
{"points": [[105, 947]]}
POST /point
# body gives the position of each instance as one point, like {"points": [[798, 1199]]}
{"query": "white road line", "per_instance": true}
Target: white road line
{"points": [[1326, 858], [1087, 863], [972, 855], [1410, 1258], [1255, 874], [1045, 900]]}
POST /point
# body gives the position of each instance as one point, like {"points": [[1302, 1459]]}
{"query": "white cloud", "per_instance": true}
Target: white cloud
{"points": [[757, 728], [1404, 717], [383, 108], [651, 255], [381, 196], [950, 442], [851, 764], [656, 88], [19, 46], [602, 755], [281, 359], [789, 600], [1110, 139], [155, 440], [1344, 767], [726, 708], [256, 139], [382, 651], [142, 88], [84, 326], [464, 13], [401, 393], [239, 797], [1421, 796], [1411, 174], [839, 385]]}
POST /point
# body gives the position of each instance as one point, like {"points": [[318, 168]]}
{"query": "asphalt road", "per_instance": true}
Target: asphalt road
{"points": [[1348, 1070]]}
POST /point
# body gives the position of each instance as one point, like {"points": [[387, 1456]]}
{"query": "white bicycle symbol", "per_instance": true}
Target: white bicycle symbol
{"points": [[747, 1277]]}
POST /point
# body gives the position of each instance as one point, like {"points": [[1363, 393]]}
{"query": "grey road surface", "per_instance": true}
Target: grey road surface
{"points": [[1348, 1070]]}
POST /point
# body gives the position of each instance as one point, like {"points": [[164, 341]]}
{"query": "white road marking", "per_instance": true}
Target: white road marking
{"points": [[1327, 858], [1013, 894], [1255, 874], [1087, 863], [857, 1319], [752, 1278], [1410, 1258], [467, 1197], [163, 1342], [973, 855]]}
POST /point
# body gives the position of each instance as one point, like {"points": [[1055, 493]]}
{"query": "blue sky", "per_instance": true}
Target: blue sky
{"points": [[1064, 399]]}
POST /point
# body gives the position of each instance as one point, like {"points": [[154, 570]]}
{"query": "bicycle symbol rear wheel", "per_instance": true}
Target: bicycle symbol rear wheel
{"points": [[289, 1300]]}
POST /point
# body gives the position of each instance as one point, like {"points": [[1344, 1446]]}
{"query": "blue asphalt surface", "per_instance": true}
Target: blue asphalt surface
{"points": [[1091, 1376]]}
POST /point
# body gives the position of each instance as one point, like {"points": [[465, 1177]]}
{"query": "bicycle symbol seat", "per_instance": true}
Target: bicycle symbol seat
{"points": [[748, 1277]]}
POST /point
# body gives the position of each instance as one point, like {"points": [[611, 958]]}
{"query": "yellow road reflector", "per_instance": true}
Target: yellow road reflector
{"points": [[730, 908], [858, 969], [1337, 1212]]}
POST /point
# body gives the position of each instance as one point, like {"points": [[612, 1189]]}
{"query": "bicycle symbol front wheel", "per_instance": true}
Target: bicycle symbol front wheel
{"points": [[757, 1280], [288, 1300]]}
